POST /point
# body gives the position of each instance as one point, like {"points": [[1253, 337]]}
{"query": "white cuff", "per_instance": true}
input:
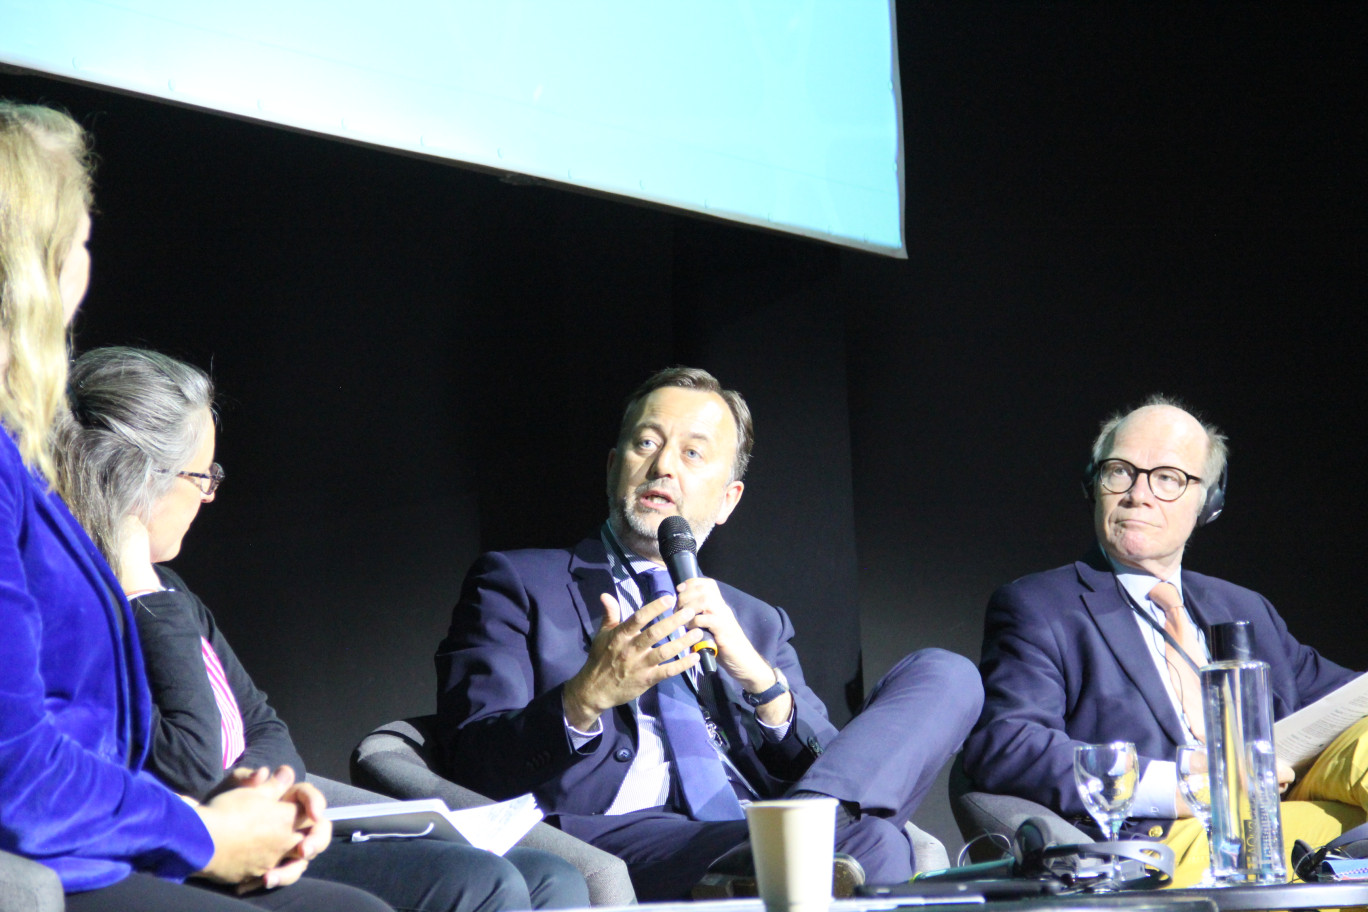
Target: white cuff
{"points": [[776, 733], [1156, 795], [578, 739]]}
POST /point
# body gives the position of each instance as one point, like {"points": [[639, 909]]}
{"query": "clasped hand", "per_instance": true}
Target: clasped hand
{"points": [[266, 827]]}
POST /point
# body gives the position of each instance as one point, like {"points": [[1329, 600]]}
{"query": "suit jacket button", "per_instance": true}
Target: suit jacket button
{"points": [[1156, 831], [815, 746], [622, 755]]}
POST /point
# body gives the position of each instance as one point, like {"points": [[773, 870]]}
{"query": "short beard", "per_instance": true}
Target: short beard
{"points": [[634, 531]]}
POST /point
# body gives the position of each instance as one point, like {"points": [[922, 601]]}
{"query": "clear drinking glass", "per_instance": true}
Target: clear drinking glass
{"points": [[1194, 784], [1106, 775]]}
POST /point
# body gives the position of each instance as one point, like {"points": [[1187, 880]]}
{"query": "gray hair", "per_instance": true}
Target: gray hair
{"points": [[1217, 450], [136, 420]]}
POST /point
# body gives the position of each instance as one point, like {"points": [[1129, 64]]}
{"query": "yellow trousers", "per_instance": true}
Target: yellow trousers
{"points": [[1332, 797]]}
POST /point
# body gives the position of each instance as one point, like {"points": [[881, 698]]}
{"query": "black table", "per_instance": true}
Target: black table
{"points": [[1192, 899], [1281, 896], [1224, 899]]}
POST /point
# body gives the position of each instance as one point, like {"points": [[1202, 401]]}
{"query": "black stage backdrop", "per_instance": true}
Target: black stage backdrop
{"points": [[419, 362]]}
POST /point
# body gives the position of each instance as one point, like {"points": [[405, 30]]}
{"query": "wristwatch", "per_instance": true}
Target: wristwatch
{"points": [[766, 696]]}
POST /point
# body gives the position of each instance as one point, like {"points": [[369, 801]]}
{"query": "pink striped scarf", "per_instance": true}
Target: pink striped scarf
{"points": [[230, 717]]}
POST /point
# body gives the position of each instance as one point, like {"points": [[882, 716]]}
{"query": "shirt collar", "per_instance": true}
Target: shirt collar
{"points": [[1138, 583], [617, 551]]}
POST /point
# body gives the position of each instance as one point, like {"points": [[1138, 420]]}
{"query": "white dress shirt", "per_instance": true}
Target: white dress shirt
{"points": [[1156, 794]]}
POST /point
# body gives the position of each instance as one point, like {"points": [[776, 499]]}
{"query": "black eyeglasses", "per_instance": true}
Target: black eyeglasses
{"points": [[1117, 476], [207, 483]]}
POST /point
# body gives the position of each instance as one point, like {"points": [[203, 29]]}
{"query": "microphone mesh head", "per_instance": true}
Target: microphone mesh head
{"points": [[674, 536]]}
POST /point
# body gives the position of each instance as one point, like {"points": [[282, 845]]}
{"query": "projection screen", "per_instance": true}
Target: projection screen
{"points": [[784, 115]]}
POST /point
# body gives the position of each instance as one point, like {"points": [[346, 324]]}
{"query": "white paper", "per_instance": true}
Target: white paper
{"points": [[1302, 736], [495, 828]]}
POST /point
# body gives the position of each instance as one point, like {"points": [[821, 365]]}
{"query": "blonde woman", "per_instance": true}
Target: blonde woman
{"points": [[75, 711]]}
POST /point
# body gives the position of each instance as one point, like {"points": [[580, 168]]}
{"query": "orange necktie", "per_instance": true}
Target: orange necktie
{"points": [[1185, 680]]}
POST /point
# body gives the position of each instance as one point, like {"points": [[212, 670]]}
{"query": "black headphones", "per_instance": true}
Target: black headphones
{"points": [[1211, 507], [1131, 864]]}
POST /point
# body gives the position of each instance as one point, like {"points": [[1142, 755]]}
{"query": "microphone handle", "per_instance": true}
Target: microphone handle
{"points": [[683, 565]]}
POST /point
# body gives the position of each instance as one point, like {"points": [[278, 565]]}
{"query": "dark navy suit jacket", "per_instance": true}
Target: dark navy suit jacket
{"points": [[522, 629], [1064, 663]]}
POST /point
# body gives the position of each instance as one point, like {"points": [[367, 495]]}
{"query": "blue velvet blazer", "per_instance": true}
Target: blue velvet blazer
{"points": [[74, 706]]}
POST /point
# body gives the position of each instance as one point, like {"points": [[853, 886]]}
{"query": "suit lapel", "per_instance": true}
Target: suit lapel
{"points": [[1203, 611], [1115, 619], [589, 578]]}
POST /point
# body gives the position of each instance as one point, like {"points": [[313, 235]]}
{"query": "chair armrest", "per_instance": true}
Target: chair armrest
{"points": [[340, 794], [27, 886], [978, 813], [928, 852], [1005, 813], [396, 759]]}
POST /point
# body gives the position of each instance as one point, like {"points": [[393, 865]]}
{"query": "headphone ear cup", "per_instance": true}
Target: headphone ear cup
{"points": [[1215, 499], [1028, 848], [1090, 482]]}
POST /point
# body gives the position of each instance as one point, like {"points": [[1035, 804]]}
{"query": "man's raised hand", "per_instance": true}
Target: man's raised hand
{"points": [[624, 660]]}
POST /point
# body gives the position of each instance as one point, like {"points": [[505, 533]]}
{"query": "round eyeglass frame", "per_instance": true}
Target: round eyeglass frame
{"points": [[1134, 472], [214, 477]]}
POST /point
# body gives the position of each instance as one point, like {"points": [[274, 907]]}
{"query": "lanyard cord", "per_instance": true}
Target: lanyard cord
{"points": [[1168, 637]]}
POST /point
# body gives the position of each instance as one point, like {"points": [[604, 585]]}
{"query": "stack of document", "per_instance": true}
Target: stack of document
{"points": [[1300, 737], [493, 827]]}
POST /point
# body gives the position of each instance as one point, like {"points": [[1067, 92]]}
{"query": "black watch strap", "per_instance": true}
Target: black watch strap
{"points": [[780, 688]]}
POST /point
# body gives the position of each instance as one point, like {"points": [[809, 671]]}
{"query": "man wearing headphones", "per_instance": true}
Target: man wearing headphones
{"points": [[1099, 650]]}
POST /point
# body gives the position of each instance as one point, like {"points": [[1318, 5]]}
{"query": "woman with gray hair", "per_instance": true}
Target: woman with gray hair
{"points": [[138, 460]]}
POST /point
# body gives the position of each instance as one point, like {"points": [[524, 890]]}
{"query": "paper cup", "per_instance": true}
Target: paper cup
{"points": [[793, 842]]}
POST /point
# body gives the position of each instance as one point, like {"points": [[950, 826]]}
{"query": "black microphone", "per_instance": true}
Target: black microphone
{"points": [[680, 551]]}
